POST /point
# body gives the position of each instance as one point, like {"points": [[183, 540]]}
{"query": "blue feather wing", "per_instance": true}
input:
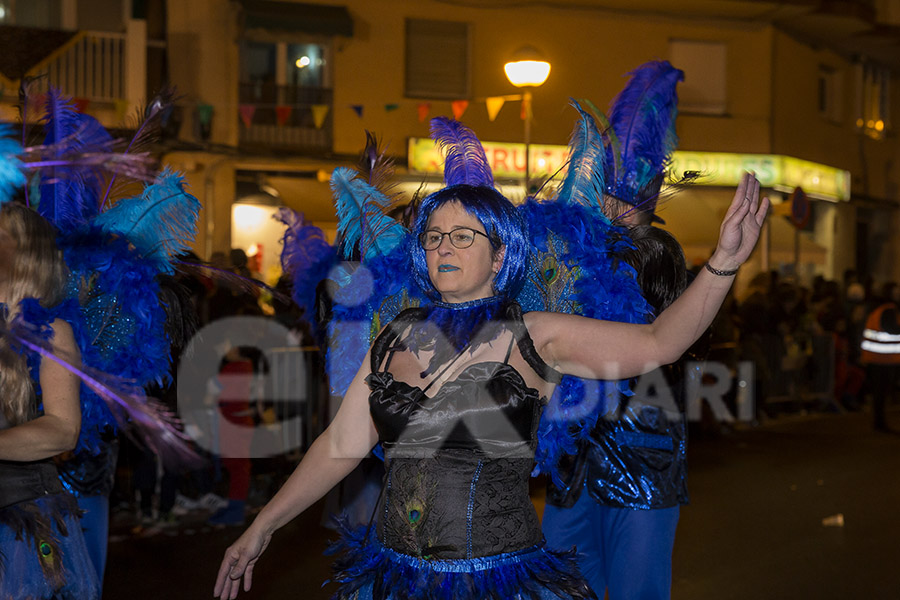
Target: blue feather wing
{"points": [[585, 182], [70, 195], [160, 223], [11, 176], [643, 118], [306, 257], [465, 160], [361, 219]]}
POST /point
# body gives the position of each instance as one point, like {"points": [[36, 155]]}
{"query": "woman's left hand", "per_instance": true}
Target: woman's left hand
{"points": [[740, 228]]}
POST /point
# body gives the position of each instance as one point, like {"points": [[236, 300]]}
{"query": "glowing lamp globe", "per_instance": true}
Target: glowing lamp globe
{"points": [[527, 68]]}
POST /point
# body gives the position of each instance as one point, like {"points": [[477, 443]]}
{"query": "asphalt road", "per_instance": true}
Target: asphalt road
{"points": [[754, 528]]}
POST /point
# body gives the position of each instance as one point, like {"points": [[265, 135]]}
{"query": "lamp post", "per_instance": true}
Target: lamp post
{"points": [[527, 70]]}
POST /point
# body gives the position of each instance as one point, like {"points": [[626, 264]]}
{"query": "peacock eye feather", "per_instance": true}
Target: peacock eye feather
{"points": [[550, 269], [45, 549]]}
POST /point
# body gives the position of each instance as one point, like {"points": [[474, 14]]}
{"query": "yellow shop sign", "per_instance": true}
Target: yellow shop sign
{"points": [[708, 168]]}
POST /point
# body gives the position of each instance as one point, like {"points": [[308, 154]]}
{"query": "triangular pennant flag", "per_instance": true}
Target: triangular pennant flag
{"points": [[391, 107], [283, 113], [204, 113], [358, 109], [319, 112], [494, 105], [121, 107], [459, 107], [247, 111], [81, 104], [424, 108]]}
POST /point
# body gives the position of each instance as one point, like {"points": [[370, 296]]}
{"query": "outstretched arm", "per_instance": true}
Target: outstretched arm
{"points": [[597, 349], [346, 441], [56, 430]]}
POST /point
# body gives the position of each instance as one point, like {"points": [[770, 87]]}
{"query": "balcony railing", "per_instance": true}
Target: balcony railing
{"points": [[298, 131], [93, 68]]}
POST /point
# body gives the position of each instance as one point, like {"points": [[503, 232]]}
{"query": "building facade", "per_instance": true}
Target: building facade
{"points": [[274, 94]]}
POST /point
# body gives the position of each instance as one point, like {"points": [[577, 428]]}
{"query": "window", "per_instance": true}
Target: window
{"points": [[872, 100], [46, 14], [704, 64], [437, 59], [829, 93]]}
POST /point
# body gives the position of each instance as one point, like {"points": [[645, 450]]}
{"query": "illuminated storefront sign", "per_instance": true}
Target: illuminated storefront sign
{"points": [[506, 160], [773, 171], [714, 168]]}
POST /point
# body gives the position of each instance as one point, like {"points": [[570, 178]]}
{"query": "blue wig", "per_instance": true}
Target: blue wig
{"points": [[502, 223]]}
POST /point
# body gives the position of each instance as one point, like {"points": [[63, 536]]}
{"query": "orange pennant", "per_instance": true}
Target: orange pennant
{"points": [[459, 107], [424, 109]]}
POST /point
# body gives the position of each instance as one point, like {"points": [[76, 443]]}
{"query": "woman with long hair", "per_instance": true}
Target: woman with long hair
{"points": [[42, 551]]}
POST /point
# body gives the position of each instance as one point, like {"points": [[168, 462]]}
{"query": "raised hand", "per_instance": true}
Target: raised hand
{"points": [[740, 228]]}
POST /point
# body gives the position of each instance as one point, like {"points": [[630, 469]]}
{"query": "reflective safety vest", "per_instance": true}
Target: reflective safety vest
{"points": [[878, 346]]}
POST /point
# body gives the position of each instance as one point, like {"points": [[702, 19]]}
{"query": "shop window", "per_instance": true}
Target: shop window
{"points": [[704, 64], [872, 100], [830, 90], [437, 59]]}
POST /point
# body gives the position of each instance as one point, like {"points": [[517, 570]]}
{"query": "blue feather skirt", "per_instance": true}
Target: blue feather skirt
{"points": [[42, 552], [367, 570]]}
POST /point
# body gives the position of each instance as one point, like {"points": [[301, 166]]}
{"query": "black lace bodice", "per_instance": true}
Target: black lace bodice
{"points": [[458, 460]]}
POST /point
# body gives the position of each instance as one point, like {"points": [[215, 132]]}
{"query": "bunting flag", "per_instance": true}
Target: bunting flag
{"points": [[319, 112], [494, 105], [391, 107], [81, 104], [247, 111], [459, 107], [121, 107], [424, 108], [358, 109], [283, 113], [204, 113]]}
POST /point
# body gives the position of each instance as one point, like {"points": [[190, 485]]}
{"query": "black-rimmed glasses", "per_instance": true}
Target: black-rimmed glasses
{"points": [[461, 237]]}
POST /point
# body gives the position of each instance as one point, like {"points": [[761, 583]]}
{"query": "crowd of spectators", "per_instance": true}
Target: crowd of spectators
{"points": [[803, 341]]}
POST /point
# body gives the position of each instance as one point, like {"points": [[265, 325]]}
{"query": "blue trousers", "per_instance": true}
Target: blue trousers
{"points": [[625, 551], [95, 525]]}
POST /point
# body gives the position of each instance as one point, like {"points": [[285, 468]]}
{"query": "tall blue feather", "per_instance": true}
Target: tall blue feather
{"points": [[361, 219], [643, 118], [585, 182], [70, 195], [160, 223], [465, 160], [11, 176], [306, 258]]}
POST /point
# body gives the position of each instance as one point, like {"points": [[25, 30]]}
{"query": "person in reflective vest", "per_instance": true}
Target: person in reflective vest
{"points": [[881, 352]]}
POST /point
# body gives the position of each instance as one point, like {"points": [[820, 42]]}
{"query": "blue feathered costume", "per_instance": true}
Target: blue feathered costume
{"points": [[454, 520], [617, 499], [117, 252]]}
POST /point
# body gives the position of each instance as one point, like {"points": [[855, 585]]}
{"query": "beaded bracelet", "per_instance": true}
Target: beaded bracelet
{"points": [[720, 273]]}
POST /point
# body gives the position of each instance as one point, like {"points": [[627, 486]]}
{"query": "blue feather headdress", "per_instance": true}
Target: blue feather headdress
{"points": [[642, 117], [465, 161]]}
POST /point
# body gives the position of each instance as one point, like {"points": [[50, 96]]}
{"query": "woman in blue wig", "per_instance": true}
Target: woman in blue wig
{"points": [[453, 390], [42, 551]]}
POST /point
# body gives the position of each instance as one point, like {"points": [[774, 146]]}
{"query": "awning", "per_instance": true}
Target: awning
{"points": [[270, 16]]}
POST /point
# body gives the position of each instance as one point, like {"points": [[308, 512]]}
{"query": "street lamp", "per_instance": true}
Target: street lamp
{"points": [[527, 69]]}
